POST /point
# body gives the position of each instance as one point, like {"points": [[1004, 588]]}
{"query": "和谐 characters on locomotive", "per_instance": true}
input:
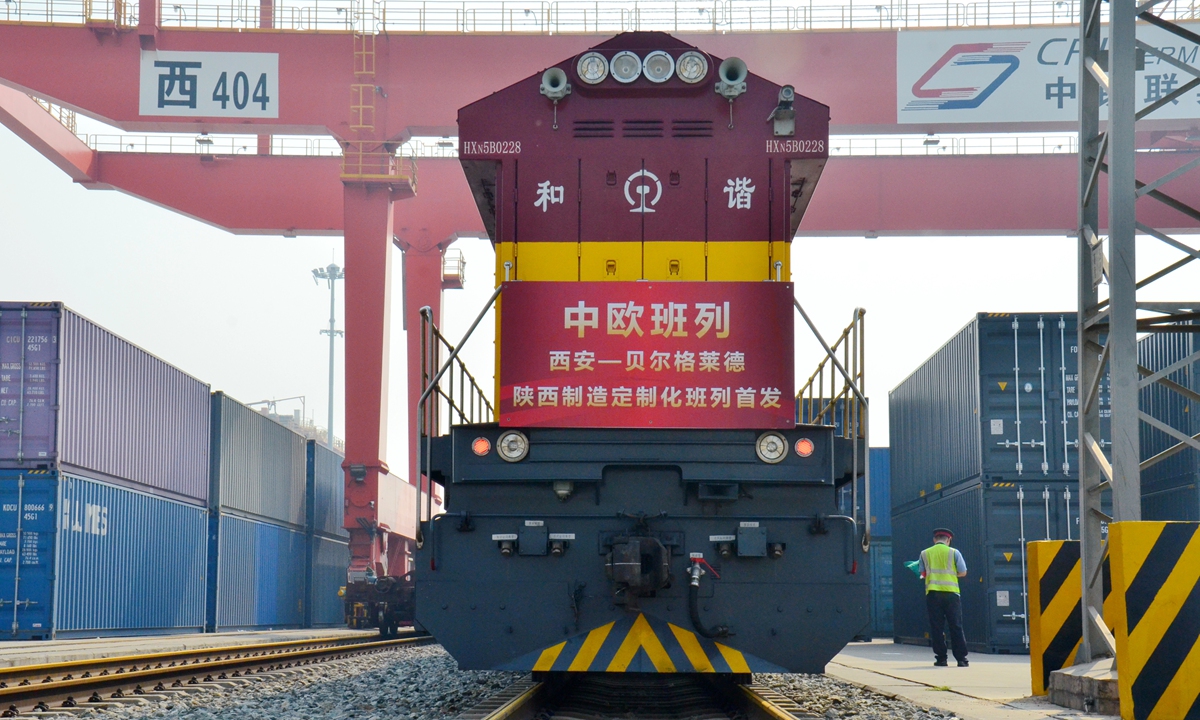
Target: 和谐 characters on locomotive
{"points": [[646, 501]]}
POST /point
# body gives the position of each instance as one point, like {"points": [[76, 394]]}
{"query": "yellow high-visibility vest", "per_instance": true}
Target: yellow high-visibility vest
{"points": [[941, 575]]}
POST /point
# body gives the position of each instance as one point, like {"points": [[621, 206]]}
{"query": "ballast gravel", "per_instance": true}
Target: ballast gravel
{"points": [[423, 683], [405, 683], [824, 697]]}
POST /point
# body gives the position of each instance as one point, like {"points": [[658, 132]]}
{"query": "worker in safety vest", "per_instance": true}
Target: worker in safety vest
{"points": [[941, 566]]}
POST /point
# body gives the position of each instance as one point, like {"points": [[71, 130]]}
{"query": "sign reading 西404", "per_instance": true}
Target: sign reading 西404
{"points": [[209, 84]]}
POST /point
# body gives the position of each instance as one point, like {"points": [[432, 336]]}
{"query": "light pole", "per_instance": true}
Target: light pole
{"points": [[331, 274]]}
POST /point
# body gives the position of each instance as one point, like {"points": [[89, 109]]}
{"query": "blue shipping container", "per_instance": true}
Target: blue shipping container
{"points": [[1169, 486], [88, 558], [881, 588], [998, 402], [261, 575], [881, 503], [330, 558]]}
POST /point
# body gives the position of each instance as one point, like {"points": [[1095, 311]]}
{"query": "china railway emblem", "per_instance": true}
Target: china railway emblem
{"points": [[646, 182]]}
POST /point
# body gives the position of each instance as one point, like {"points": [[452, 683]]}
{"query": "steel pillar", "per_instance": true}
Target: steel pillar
{"points": [[368, 233], [1108, 327], [422, 287]]}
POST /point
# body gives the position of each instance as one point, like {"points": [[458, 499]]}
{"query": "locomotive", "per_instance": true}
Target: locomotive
{"points": [[646, 499]]}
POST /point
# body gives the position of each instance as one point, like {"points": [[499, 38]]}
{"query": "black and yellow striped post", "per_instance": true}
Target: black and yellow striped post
{"points": [[1156, 583], [1056, 609]]}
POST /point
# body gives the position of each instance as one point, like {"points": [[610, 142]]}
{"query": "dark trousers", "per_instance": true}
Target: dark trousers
{"points": [[946, 608]]}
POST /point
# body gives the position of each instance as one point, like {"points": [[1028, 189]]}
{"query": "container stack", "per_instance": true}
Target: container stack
{"points": [[134, 501], [1171, 486], [103, 482], [984, 442], [258, 511], [329, 549]]}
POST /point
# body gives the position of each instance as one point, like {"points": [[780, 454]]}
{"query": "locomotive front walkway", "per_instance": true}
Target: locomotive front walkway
{"points": [[994, 687]]}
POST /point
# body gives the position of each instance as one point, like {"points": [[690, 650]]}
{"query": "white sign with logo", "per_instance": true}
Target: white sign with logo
{"points": [[1022, 75], [209, 84]]}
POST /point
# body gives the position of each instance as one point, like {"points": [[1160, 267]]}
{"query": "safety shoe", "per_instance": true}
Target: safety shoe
{"points": [[963, 663], [939, 663]]}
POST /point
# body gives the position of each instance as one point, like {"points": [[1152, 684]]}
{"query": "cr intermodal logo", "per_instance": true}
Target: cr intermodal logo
{"points": [[979, 68]]}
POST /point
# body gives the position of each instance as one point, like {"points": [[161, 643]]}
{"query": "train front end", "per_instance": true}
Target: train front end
{"points": [[646, 499]]}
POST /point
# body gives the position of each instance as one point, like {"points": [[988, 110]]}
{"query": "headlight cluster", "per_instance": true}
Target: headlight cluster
{"points": [[658, 66]]}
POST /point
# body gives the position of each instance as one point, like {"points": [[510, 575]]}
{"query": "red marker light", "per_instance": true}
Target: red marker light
{"points": [[804, 447], [482, 446]]}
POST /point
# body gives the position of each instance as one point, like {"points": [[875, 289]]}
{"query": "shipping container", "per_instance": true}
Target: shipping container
{"points": [[997, 403], [328, 491], [1169, 486], [881, 588], [259, 467], [86, 558], [260, 572], [986, 519], [330, 558], [76, 396], [881, 503]]}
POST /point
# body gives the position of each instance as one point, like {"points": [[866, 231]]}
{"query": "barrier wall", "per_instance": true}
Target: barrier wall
{"points": [[1056, 608], [1156, 586]]}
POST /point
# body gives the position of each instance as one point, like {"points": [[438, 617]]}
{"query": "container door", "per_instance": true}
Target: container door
{"points": [[28, 383], [27, 531]]}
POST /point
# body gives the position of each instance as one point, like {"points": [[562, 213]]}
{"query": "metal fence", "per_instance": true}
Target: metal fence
{"points": [[839, 145], [572, 16]]}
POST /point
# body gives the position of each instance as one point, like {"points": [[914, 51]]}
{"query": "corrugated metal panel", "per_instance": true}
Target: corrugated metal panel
{"points": [[1180, 503], [329, 490], [260, 466], [932, 417], [998, 401], [329, 563], [881, 588], [881, 492], [128, 561], [260, 576], [987, 523], [122, 413], [1156, 352], [36, 494]]}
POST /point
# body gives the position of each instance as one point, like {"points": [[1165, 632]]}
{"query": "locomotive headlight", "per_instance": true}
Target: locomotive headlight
{"points": [[691, 67], [771, 447], [482, 446], [626, 66], [658, 66], [512, 446], [804, 447], [592, 68]]}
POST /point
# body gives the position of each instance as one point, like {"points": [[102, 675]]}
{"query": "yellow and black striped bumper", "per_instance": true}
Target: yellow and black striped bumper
{"points": [[1156, 584], [641, 644]]}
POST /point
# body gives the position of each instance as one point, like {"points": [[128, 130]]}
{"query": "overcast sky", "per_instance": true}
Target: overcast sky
{"points": [[243, 314]]}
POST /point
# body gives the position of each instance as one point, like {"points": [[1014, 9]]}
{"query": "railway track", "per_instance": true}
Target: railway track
{"points": [[97, 682], [644, 697]]}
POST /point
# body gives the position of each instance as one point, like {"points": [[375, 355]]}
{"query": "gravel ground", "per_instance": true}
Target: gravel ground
{"points": [[404, 684], [836, 700]]}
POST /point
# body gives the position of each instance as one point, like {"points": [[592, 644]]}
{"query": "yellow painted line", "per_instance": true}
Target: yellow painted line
{"points": [[1165, 607], [737, 661], [591, 646], [514, 706], [691, 648], [768, 707], [546, 660], [641, 635]]}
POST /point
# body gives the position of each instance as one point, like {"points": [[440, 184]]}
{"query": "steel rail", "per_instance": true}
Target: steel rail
{"points": [[72, 691], [524, 699]]}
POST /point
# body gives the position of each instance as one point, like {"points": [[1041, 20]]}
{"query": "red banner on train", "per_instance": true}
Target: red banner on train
{"points": [[646, 354]]}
